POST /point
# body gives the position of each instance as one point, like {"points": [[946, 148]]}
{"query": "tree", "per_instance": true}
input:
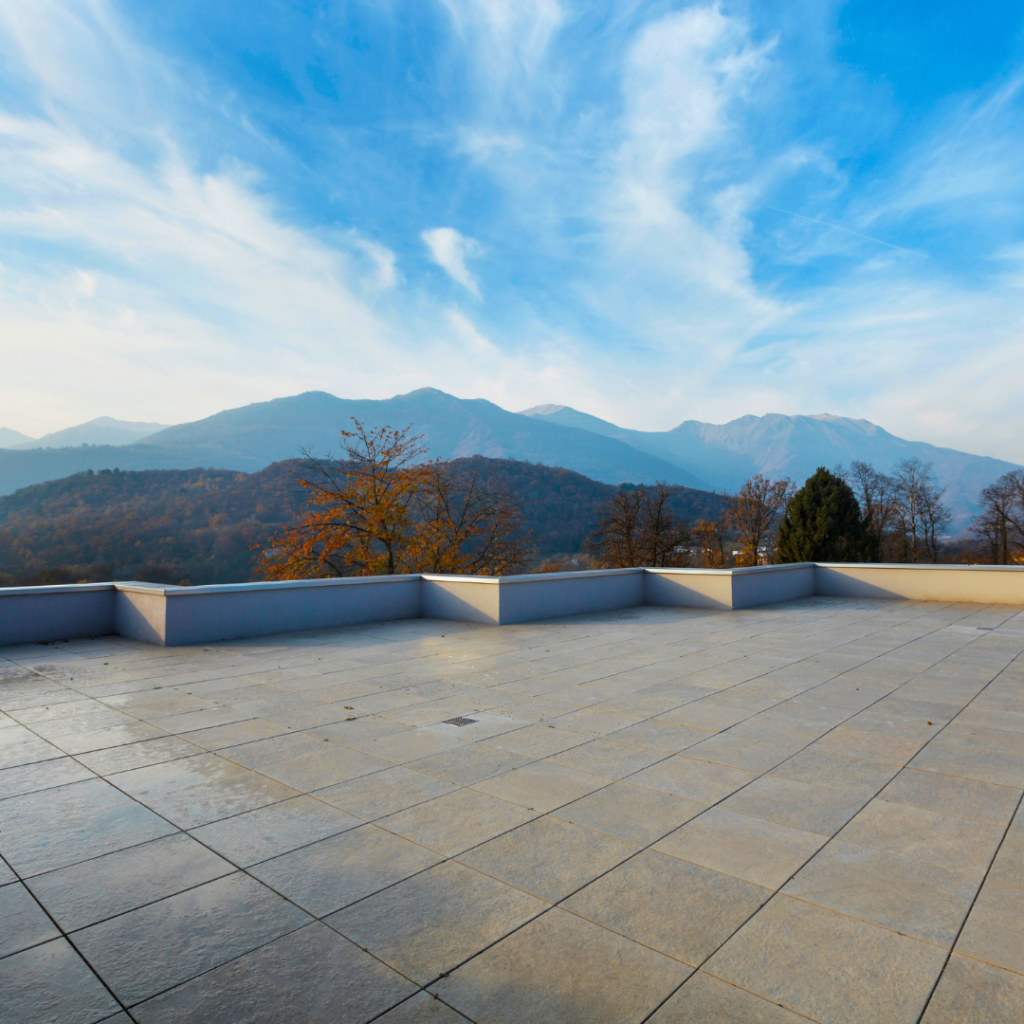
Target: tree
{"points": [[823, 523], [876, 494], [919, 511], [753, 513], [1001, 523], [637, 527], [708, 541], [467, 525], [383, 511]]}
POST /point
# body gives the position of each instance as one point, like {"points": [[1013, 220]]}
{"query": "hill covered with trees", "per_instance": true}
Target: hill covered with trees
{"points": [[205, 525]]}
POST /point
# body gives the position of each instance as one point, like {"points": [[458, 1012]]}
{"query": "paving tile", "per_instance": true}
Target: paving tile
{"points": [[939, 839], [719, 711], [304, 762], [971, 991], [946, 794], [105, 729], [197, 720], [141, 953], [312, 975], [423, 1008], [429, 924], [275, 829], [665, 736], [758, 851], [220, 736], [96, 889], [51, 984], [196, 790], [360, 731], [630, 812], [31, 778], [786, 954], [995, 928], [836, 771], [561, 969], [608, 757], [538, 740], [549, 858], [595, 721], [138, 755], [384, 792], [1008, 867], [19, 746], [469, 763], [696, 780], [680, 909], [810, 808], [44, 831], [966, 762], [24, 921], [869, 746], [974, 737], [335, 872], [921, 900], [541, 786], [707, 1000], [751, 754], [411, 746], [454, 823]]}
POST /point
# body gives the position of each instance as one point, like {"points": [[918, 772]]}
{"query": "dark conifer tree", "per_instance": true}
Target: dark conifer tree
{"points": [[823, 523]]}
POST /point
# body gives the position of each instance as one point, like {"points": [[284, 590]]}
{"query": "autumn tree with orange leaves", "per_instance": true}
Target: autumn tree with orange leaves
{"points": [[753, 514], [383, 510]]}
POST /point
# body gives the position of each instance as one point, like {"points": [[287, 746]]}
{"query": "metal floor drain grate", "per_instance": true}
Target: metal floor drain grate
{"points": [[459, 721]]}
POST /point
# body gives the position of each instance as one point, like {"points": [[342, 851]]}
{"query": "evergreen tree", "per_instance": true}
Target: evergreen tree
{"points": [[823, 523]]}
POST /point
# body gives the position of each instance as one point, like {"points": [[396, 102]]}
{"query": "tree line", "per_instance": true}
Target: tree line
{"points": [[854, 515], [381, 508]]}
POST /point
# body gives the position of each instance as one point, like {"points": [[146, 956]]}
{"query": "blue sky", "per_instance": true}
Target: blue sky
{"points": [[651, 211]]}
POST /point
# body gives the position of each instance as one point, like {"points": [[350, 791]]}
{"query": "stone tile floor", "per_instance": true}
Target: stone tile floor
{"points": [[803, 812]]}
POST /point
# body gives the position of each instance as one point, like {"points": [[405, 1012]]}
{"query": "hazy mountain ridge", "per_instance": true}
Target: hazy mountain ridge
{"points": [[101, 430], [724, 455], [9, 437], [694, 454]]}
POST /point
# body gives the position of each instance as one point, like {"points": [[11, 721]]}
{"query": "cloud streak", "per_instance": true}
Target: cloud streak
{"points": [[450, 249]]}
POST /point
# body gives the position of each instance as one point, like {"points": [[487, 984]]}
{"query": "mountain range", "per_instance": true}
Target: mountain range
{"points": [[698, 455], [102, 430]]}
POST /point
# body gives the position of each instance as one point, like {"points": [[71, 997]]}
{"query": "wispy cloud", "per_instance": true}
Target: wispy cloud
{"points": [[449, 250]]}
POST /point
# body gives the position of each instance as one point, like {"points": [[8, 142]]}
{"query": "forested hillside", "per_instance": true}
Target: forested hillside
{"points": [[201, 526]]}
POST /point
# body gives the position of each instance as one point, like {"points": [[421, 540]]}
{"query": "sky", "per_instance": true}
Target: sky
{"points": [[650, 211]]}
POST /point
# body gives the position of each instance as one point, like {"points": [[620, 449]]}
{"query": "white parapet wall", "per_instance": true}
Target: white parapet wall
{"points": [[973, 584], [174, 616]]}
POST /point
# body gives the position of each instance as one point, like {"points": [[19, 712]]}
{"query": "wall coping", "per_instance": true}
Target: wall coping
{"points": [[215, 612], [173, 590]]}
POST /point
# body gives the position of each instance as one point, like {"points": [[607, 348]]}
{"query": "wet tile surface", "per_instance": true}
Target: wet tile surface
{"points": [[798, 812]]}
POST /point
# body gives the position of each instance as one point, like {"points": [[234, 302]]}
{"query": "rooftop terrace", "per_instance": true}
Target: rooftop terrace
{"points": [[804, 811]]}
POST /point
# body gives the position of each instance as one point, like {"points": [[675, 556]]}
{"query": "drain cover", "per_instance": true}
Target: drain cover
{"points": [[459, 721]]}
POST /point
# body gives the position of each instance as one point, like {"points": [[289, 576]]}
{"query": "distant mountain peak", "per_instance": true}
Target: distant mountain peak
{"points": [[545, 410], [9, 437], [101, 430]]}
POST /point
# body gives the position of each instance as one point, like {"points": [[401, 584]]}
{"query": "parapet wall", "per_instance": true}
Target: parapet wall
{"points": [[174, 616]]}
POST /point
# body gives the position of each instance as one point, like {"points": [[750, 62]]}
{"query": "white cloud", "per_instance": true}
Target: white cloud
{"points": [[509, 37], [449, 250]]}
